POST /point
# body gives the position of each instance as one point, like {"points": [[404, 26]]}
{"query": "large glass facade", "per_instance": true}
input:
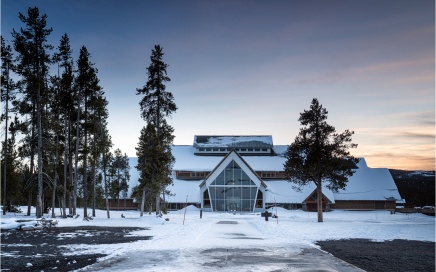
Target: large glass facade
{"points": [[232, 190]]}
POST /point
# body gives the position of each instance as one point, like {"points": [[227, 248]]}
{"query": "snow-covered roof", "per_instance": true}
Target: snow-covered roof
{"points": [[366, 184], [186, 160], [282, 191], [369, 184], [182, 189], [233, 141]]}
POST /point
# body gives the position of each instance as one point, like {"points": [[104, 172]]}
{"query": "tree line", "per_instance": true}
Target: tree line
{"points": [[56, 146]]}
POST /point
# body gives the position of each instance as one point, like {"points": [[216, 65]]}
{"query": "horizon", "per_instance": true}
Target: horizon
{"points": [[250, 67]]}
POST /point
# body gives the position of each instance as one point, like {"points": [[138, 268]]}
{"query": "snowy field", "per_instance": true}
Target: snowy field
{"points": [[185, 232]]}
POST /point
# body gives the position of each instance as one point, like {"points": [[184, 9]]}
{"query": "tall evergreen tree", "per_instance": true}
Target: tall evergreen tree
{"points": [[106, 161], [33, 65], [117, 176], [120, 176], [67, 109], [156, 105], [11, 169], [150, 164], [7, 95], [319, 154], [126, 178], [91, 95]]}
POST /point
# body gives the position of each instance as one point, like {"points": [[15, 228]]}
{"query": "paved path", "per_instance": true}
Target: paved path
{"points": [[245, 250]]}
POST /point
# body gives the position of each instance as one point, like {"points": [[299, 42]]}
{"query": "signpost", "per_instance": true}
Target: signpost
{"points": [[186, 207], [266, 214]]}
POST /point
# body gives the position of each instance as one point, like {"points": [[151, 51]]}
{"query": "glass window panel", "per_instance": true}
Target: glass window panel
{"points": [[219, 205], [219, 192], [246, 179], [229, 191], [247, 205], [246, 192], [235, 165], [211, 192], [237, 192], [219, 179]]}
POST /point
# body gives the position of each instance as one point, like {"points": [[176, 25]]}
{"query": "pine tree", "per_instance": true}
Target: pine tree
{"points": [[91, 96], [126, 178], [7, 95], [11, 169], [119, 170], [319, 154], [116, 173], [150, 164], [156, 105], [106, 161], [67, 109], [33, 62]]}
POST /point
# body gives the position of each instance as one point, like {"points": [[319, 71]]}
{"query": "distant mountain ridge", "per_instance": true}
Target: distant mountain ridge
{"points": [[416, 187]]}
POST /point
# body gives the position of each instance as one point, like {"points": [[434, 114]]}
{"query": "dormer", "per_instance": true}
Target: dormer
{"points": [[221, 145]]}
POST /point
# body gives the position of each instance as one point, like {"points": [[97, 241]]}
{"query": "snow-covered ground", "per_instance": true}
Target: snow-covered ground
{"points": [[294, 230]]}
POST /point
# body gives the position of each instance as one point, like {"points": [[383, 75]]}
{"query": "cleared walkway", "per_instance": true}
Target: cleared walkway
{"points": [[245, 250]]}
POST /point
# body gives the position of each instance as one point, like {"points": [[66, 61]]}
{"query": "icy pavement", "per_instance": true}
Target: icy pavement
{"points": [[247, 250]]}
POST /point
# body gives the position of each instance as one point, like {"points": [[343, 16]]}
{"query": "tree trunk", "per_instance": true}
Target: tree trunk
{"points": [[85, 165], [5, 148], [118, 182], [29, 202], [319, 200], [39, 211], [105, 184], [55, 179], [76, 156], [124, 202], [70, 168], [64, 193], [70, 202], [32, 164], [93, 189], [157, 203], [142, 202]]}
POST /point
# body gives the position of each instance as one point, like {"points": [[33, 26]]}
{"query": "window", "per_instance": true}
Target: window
{"points": [[232, 190], [184, 174]]}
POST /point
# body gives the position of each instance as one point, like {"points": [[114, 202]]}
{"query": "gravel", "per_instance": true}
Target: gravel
{"points": [[395, 255], [40, 250]]}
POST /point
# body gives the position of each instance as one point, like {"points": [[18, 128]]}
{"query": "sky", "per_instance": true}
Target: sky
{"points": [[251, 67]]}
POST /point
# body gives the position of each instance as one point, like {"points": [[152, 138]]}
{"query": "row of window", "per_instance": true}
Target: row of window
{"points": [[201, 175], [272, 174], [191, 174], [210, 149]]}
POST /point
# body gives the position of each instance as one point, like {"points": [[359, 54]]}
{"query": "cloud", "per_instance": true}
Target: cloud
{"points": [[417, 135]]}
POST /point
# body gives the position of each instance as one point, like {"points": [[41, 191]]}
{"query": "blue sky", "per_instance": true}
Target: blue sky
{"points": [[250, 67]]}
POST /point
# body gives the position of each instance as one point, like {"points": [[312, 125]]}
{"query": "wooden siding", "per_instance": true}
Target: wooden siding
{"points": [[271, 174], [363, 205], [130, 205], [191, 174]]}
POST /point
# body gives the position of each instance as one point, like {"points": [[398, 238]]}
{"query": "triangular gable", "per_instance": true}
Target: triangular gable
{"points": [[313, 192], [233, 155]]}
